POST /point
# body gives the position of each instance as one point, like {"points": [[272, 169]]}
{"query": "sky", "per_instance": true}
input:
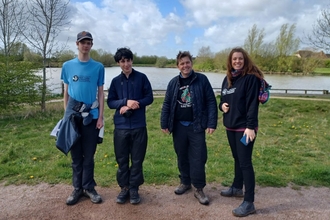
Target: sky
{"points": [[165, 27]]}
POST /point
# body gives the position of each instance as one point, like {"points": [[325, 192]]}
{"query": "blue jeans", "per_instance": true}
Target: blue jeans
{"points": [[191, 151], [244, 172]]}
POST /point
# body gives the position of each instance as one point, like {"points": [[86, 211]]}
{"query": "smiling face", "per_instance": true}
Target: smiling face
{"points": [[126, 65], [237, 61], [185, 66]]}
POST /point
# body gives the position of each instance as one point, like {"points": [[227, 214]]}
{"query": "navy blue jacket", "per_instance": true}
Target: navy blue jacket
{"points": [[243, 102], [136, 87], [205, 111]]}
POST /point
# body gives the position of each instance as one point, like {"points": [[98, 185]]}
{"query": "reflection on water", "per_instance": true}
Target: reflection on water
{"points": [[159, 78]]}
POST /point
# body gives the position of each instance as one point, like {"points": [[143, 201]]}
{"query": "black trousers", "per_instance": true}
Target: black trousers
{"points": [[130, 144], [243, 168], [82, 154], [191, 151]]}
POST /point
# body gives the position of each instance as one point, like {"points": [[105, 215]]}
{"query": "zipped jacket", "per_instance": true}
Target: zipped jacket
{"points": [[205, 112], [136, 87]]}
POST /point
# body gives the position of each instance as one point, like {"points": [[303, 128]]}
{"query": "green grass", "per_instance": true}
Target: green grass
{"points": [[322, 71], [292, 147]]}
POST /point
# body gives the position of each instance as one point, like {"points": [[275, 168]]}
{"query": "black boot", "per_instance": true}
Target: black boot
{"points": [[232, 192], [245, 209]]}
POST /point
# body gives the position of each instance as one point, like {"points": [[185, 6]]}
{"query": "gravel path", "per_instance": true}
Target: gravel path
{"points": [[46, 201]]}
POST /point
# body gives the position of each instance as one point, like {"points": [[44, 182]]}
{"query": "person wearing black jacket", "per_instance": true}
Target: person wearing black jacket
{"points": [[239, 103], [129, 93], [188, 110]]}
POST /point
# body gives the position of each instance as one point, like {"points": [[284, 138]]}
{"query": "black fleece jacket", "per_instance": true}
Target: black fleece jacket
{"points": [[243, 102]]}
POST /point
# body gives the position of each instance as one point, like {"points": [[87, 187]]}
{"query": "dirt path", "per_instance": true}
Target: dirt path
{"points": [[45, 201]]}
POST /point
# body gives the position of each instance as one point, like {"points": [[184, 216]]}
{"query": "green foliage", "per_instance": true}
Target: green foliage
{"points": [[19, 85], [327, 64], [204, 64], [296, 64], [282, 64], [291, 147], [65, 56], [161, 62], [144, 59], [309, 65], [254, 41], [32, 57], [286, 42], [220, 60]]}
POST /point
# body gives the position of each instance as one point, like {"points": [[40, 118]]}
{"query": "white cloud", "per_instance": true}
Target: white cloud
{"points": [[140, 24], [136, 24], [178, 40]]}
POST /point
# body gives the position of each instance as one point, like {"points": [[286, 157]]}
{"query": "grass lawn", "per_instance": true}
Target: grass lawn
{"points": [[323, 71], [292, 147]]}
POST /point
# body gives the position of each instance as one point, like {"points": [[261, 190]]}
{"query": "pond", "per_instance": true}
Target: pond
{"points": [[159, 78]]}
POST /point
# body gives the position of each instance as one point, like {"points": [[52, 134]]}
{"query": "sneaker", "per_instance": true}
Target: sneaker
{"points": [[74, 197], [245, 209], [202, 198], [123, 195], [182, 189], [232, 192], [134, 197], [92, 194]]}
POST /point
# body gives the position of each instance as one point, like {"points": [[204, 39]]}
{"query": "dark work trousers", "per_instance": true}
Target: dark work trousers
{"points": [[82, 154], [190, 148], [243, 167], [130, 144]]}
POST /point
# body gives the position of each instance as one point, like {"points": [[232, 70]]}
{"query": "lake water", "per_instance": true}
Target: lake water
{"points": [[159, 78]]}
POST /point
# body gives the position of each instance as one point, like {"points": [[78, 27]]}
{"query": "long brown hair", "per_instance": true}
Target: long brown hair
{"points": [[248, 68]]}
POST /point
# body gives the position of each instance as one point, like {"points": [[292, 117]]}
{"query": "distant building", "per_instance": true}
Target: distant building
{"points": [[311, 54]]}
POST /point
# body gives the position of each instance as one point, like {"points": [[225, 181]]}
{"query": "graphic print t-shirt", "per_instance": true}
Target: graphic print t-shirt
{"points": [[184, 110]]}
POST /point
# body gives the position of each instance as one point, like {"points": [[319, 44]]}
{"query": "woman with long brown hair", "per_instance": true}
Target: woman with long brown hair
{"points": [[239, 104]]}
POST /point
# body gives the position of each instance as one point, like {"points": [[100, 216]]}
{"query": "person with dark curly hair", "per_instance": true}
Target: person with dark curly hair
{"points": [[129, 93]]}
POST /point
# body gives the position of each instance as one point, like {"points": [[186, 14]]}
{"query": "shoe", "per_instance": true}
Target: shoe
{"points": [[232, 192], [92, 194], [182, 189], [123, 195], [74, 197], [202, 198], [134, 197], [245, 209]]}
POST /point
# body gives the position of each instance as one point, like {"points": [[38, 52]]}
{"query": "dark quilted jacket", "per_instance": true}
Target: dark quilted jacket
{"points": [[204, 103]]}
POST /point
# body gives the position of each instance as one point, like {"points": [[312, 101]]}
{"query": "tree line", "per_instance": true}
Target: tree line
{"points": [[39, 22]]}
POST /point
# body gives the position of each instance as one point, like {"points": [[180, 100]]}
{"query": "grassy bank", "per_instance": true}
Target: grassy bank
{"points": [[322, 71], [292, 147]]}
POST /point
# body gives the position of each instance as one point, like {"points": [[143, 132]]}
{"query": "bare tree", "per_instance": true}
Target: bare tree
{"points": [[205, 52], [45, 22], [254, 41], [320, 37], [286, 43], [204, 59], [11, 19]]}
